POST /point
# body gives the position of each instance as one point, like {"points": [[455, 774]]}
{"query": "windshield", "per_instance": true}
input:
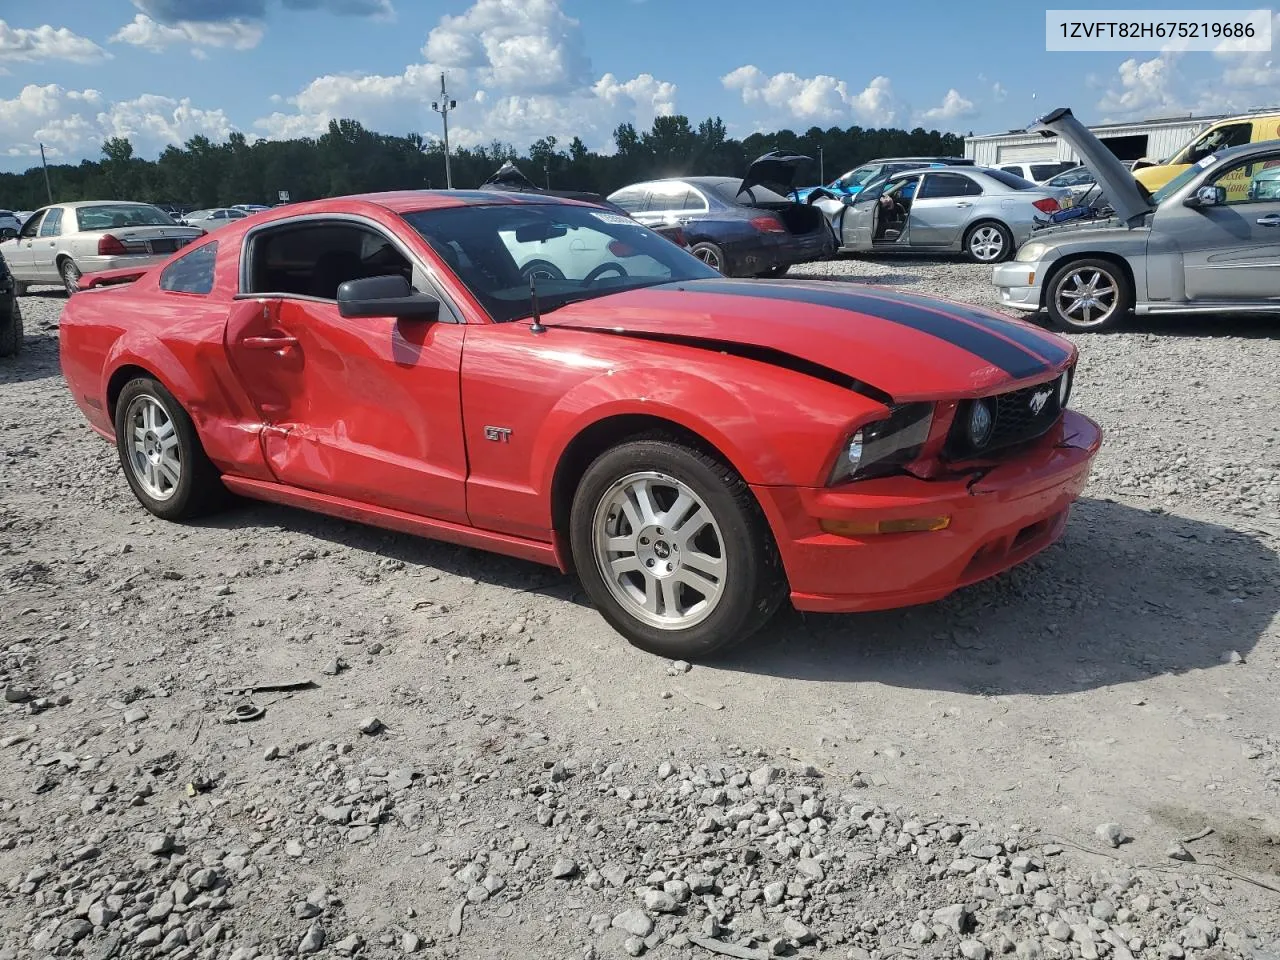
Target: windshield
{"points": [[858, 177], [108, 216], [1180, 181], [571, 252]]}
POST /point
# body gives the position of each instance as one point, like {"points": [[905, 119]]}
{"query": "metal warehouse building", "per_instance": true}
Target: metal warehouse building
{"points": [[1157, 139]]}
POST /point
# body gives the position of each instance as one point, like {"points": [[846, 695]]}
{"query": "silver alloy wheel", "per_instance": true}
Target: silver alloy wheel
{"points": [[710, 258], [986, 243], [1087, 296], [659, 550], [70, 276], [154, 454]]}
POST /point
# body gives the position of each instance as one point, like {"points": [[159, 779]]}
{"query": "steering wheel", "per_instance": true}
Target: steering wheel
{"points": [[604, 268]]}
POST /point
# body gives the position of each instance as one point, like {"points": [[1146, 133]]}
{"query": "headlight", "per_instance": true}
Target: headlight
{"points": [[1064, 388], [885, 446], [1031, 252], [982, 422]]}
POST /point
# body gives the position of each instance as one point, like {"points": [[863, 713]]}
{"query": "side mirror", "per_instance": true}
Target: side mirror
{"points": [[1210, 196], [389, 296]]}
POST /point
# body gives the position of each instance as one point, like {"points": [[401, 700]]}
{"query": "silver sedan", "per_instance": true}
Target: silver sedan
{"points": [[61, 243], [983, 213]]}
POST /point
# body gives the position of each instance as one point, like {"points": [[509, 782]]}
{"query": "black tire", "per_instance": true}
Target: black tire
{"points": [[199, 489], [753, 584], [11, 333], [1108, 275], [70, 274], [19, 288], [711, 255], [542, 269], [979, 229]]}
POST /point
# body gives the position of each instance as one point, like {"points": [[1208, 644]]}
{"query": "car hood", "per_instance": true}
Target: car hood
{"points": [[905, 346], [774, 169], [1128, 199]]}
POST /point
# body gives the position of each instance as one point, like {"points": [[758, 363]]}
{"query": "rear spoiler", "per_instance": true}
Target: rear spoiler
{"points": [[111, 278]]}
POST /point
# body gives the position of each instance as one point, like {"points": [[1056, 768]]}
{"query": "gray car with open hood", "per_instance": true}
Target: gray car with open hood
{"points": [[1206, 242]]}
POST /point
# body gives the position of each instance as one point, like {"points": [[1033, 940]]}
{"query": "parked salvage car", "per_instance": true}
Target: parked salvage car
{"points": [[871, 173], [59, 243], [10, 313], [983, 213], [9, 221], [214, 218], [741, 226], [1038, 171], [1205, 242], [696, 449]]}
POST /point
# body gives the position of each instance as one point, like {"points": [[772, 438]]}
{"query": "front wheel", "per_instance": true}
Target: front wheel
{"points": [[673, 549], [1088, 295], [988, 242], [11, 333], [162, 456]]}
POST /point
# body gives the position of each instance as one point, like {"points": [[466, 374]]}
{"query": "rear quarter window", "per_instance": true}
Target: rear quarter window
{"points": [[192, 273], [1010, 180]]}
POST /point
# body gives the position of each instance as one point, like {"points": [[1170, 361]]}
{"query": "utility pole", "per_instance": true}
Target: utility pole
{"points": [[47, 189], [442, 107], [822, 175]]}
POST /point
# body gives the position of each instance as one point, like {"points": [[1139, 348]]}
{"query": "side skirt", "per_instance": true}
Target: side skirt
{"points": [[534, 550]]}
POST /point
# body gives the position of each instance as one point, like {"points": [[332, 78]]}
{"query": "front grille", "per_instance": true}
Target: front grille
{"points": [[1016, 419]]}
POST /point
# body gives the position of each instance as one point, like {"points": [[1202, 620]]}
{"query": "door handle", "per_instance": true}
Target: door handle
{"points": [[964, 203], [1271, 220], [684, 220], [282, 342]]}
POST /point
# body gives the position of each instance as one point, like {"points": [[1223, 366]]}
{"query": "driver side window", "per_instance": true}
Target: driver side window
{"points": [[32, 226]]}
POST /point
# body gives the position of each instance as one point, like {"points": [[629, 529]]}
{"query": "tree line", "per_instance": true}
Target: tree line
{"points": [[351, 159]]}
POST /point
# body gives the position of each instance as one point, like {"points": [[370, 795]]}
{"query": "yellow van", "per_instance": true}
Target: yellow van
{"points": [[1231, 132]]}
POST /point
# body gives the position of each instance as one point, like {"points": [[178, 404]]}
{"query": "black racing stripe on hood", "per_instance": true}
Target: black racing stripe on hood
{"points": [[1038, 343], [1014, 360]]}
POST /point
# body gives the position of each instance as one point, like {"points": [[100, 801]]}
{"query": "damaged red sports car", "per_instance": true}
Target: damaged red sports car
{"points": [[697, 449]]}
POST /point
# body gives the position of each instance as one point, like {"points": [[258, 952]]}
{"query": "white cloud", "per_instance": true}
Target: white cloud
{"points": [[29, 45], [953, 107], [518, 69], [155, 36], [1144, 88], [998, 92], [818, 99], [73, 123]]}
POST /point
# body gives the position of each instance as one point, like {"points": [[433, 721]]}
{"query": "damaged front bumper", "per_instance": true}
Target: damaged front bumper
{"points": [[1002, 518]]}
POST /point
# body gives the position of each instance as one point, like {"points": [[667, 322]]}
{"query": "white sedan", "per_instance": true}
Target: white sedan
{"points": [[213, 218]]}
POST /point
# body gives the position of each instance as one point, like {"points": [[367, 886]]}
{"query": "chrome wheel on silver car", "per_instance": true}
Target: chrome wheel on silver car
{"points": [[659, 550], [155, 455], [70, 275], [989, 243], [1088, 295]]}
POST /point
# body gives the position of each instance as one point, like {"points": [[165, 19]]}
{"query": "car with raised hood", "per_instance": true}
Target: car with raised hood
{"points": [[59, 243], [1208, 241], [741, 226], [697, 449], [982, 213], [870, 173]]}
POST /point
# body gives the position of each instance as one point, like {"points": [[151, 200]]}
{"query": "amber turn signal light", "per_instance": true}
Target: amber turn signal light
{"points": [[863, 528]]}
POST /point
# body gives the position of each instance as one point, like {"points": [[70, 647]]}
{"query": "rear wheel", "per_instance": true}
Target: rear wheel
{"points": [[70, 275], [1088, 295], [988, 242], [673, 549], [163, 460], [11, 333], [709, 254]]}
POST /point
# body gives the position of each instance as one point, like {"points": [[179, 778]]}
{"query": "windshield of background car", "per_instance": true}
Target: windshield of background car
{"points": [[1181, 180], [860, 176], [108, 216], [571, 252]]}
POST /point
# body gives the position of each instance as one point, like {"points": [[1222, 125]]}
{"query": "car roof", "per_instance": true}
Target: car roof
{"points": [[79, 204]]}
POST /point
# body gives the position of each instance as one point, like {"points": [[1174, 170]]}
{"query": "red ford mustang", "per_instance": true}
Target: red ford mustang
{"points": [[547, 379]]}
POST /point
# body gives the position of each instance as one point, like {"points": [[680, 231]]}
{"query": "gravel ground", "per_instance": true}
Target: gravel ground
{"points": [[478, 768]]}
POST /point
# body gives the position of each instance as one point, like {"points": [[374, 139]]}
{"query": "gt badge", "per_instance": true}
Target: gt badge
{"points": [[498, 434], [1038, 400]]}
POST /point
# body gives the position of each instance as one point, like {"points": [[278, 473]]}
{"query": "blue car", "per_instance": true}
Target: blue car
{"points": [[874, 171]]}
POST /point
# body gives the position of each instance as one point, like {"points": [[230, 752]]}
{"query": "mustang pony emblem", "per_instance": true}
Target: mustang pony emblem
{"points": [[1038, 400]]}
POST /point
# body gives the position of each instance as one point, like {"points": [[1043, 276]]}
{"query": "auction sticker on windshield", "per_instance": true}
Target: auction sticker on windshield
{"points": [[1237, 31], [614, 218]]}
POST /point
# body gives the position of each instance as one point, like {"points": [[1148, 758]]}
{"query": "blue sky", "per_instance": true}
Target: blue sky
{"points": [[159, 71]]}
